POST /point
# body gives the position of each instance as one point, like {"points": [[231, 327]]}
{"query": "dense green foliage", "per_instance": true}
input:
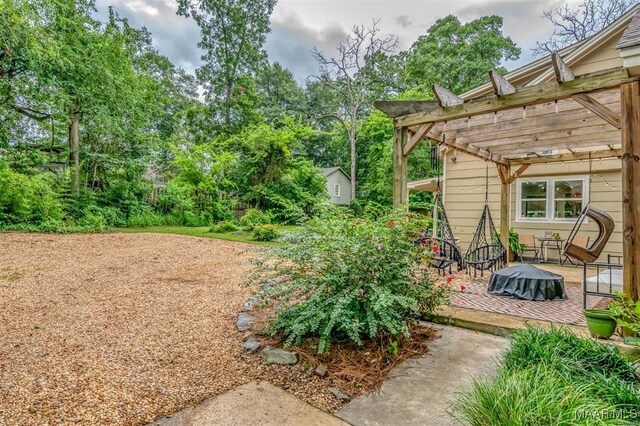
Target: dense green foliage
{"points": [[555, 378], [97, 129], [626, 311], [346, 278]]}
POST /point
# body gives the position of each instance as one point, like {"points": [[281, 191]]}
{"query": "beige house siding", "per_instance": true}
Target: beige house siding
{"points": [[605, 57], [464, 197]]}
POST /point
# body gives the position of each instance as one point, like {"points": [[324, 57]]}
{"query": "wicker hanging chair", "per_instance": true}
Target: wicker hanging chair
{"points": [[485, 252]]}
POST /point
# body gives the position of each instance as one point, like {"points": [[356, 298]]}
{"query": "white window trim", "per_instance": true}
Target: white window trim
{"points": [[336, 186], [551, 205]]}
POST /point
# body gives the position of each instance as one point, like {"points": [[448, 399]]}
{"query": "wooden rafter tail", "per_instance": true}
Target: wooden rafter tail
{"points": [[445, 97], [598, 109], [561, 69], [501, 85]]}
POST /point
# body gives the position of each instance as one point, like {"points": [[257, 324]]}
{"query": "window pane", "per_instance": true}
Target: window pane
{"points": [[534, 190], [534, 209], [568, 189], [568, 209]]}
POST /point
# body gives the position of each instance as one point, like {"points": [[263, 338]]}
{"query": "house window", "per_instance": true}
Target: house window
{"points": [[551, 199], [336, 190]]}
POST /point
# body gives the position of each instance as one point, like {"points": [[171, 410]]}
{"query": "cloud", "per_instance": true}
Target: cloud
{"points": [[291, 43], [403, 20], [174, 36]]}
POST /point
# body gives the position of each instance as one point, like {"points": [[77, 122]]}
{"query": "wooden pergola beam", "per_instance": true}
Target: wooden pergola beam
{"points": [[598, 109], [577, 139], [501, 87], [398, 108], [473, 151], [416, 138], [400, 190], [577, 156], [525, 96]]}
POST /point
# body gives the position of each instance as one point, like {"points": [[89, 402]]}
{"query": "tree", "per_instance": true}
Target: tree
{"points": [[574, 25], [279, 94], [233, 33], [459, 56], [351, 75]]}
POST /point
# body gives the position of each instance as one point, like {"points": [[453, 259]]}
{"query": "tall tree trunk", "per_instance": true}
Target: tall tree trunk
{"points": [[74, 148], [352, 144]]}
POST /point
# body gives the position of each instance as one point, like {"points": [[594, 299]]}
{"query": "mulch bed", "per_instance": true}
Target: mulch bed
{"points": [[126, 328]]}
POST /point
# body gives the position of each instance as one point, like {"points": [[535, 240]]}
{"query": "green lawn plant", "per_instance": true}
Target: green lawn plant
{"points": [[553, 377], [345, 278]]}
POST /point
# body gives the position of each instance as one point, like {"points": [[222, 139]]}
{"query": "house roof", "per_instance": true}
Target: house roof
{"points": [[631, 36], [541, 70], [331, 170]]}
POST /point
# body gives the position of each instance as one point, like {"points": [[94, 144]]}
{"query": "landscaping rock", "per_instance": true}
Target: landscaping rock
{"points": [[250, 303], [279, 356], [321, 371], [339, 394], [244, 321], [251, 345]]}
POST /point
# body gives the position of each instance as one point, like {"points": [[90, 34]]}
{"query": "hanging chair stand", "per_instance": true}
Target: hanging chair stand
{"points": [[441, 234], [486, 252]]}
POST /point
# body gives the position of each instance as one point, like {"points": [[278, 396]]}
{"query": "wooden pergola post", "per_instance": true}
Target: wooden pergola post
{"points": [[400, 190], [504, 171], [630, 123]]}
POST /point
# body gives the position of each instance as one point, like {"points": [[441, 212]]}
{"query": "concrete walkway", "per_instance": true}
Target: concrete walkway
{"points": [[251, 404], [420, 391]]}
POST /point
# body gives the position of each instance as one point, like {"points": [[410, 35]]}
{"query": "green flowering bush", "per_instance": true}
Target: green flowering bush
{"points": [[346, 278], [265, 233]]}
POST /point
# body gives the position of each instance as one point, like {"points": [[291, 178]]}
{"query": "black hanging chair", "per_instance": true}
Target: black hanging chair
{"points": [[440, 235], [486, 252]]}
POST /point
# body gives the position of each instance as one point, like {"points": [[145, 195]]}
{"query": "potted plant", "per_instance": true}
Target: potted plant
{"points": [[600, 322], [515, 248], [626, 313]]}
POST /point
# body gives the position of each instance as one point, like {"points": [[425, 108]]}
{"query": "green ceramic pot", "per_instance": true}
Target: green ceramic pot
{"points": [[600, 323]]}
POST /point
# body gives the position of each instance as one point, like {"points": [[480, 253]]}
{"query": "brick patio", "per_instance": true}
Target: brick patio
{"points": [[568, 311]]}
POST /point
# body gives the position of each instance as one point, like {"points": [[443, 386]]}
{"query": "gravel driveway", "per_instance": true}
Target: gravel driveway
{"points": [[121, 328]]}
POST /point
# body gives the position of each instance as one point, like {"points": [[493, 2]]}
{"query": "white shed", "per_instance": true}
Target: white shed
{"points": [[338, 185]]}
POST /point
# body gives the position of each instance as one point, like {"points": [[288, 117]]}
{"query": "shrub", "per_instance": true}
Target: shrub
{"points": [[254, 217], [553, 377], [265, 233], [352, 279], [626, 311], [223, 227]]}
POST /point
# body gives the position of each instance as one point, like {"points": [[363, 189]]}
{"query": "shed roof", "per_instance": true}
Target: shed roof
{"points": [[631, 36], [328, 171]]}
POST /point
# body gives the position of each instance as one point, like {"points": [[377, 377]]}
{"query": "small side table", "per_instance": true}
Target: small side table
{"points": [[554, 243]]}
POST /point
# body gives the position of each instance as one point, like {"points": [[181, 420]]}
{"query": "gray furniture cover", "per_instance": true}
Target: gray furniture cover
{"points": [[527, 282]]}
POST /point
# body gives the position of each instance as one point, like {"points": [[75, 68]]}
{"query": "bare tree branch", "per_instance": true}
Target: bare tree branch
{"points": [[574, 25]]}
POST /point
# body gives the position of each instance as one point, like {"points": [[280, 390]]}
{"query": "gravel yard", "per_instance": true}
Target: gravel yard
{"points": [[124, 328]]}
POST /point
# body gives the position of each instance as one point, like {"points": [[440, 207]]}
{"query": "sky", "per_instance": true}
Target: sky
{"points": [[297, 26]]}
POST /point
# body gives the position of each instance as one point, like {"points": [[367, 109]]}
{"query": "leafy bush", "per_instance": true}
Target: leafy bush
{"points": [[223, 227], [626, 311], [27, 199], [254, 217], [345, 278], [552, 378], [265, 233]]}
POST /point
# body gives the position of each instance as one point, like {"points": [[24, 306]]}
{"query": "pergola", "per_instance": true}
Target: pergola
{"points": [[581, 117]]}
